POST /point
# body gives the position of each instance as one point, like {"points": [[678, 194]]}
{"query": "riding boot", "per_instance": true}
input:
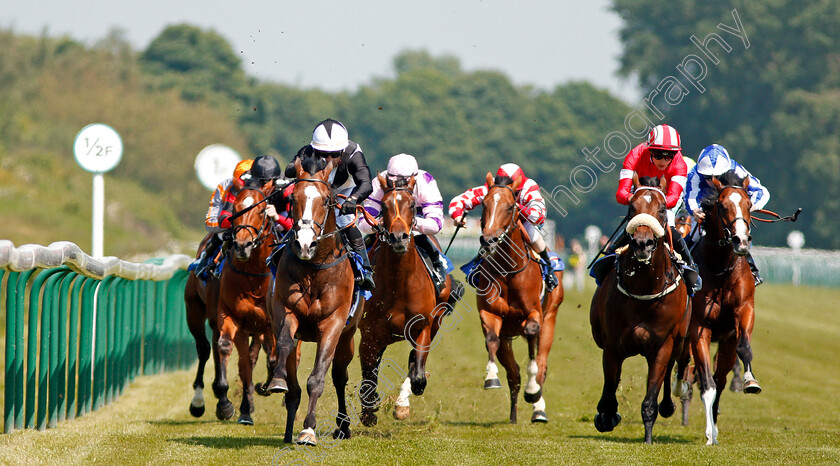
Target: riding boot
{"points": [[357, 244], [550, 279], [439, 268], [206, 262], [689, 268], [754, 270]]}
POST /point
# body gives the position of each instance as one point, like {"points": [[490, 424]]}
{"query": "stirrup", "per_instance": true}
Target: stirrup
{"points": [[551, 282]]}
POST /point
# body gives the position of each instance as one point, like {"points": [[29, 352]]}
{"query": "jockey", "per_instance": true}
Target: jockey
{"points": [[714, 161], [428, 222], [659, 157], [218, 215], [266, 172], [532, 208], [349, 177]]}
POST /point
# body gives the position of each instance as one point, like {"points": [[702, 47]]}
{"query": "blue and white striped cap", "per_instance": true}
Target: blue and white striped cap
{"points": [[713, 160]]}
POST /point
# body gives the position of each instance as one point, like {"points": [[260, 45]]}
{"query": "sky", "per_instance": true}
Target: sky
{"points": [[335, 45]]}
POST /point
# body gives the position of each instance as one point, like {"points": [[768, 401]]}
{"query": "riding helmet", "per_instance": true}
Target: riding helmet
{"points": [[329, 136], [664, 137], [266, 167], [714, 161]]}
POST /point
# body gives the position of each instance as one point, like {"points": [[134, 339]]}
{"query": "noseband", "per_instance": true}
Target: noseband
{"points": [[493, 243], [385, 235], [258, 235], [727, 227], [330, 204]]}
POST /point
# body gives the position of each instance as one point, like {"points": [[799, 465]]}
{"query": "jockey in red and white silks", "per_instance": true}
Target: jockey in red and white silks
{"points": [[528, 196], [427, 196]]}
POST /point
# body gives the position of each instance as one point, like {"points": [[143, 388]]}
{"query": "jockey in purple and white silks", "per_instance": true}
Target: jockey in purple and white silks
{"points": [[713, 162], [427, 221]]}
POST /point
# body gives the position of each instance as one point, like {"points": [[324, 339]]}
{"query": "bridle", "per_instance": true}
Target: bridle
{"points": [[727, 227], [330, 203], [385, 235], [257, 235], [664, 200], [494, 243]]}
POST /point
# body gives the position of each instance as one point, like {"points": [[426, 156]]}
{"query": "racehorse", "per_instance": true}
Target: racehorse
{"points": [[723, 310], [242, 311], [311, 301], [405, 305], [641, 308], [201, 299], [508, 287]]}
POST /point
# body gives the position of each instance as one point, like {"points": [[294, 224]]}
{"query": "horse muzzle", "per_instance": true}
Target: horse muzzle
{"points": [[741, 245], [242, 252], [305, 244], [399, 242], [643, 248]]}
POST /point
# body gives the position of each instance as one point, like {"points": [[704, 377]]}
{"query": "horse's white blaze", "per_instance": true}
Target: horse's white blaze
{"points": [[405, 392], [496, 198], [399, 197], [306, 234], [492, 371], [540, 405], [647, 198], [533, 386], [198, 399], [740, 227], [708, 404], [248, 201]]}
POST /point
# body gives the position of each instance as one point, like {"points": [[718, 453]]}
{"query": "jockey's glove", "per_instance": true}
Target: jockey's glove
{"points": [[349, 206]]}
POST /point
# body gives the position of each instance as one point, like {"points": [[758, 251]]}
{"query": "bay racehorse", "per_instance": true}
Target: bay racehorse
{"points": [[311, 301], [201, 299], [723, 310], [641, 308], [405, 304], [242, 312], [508, 285]]}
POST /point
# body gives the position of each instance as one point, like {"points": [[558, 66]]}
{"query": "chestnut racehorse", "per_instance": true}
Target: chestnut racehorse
{"points": [[641, 308], [405, 304], [243, 314], [311, 301], [508, 282], [723, 310], [201, 299]]}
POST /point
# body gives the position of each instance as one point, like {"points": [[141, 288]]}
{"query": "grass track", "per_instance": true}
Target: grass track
{"points": [[796, 419]]}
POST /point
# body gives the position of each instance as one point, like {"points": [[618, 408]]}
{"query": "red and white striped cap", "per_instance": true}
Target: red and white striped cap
{"points": [[510, 170], [664, 137]]}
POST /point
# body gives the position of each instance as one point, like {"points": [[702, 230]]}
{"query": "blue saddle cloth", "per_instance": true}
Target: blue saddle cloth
{"points": [[556, 265]]}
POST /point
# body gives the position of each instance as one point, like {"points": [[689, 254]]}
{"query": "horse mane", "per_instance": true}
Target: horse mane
{"points": [[730, 178], [649, 181], [727, 179], [313, 165], [503, 180], [400, 182]]}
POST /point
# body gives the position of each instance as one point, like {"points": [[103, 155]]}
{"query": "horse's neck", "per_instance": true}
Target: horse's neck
{"points": [[513, 253], [399, 264], [718, 254], [329, 248]]}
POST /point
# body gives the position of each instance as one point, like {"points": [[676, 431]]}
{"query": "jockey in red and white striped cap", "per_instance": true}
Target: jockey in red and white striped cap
{"points": [[530, 201]]}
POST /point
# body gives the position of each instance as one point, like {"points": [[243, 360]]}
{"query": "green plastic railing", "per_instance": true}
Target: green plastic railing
{"points": [[80, 330]]}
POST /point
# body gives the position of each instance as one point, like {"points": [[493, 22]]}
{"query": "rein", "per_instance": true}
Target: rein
{"points": [[330, 205], [257, 235], [666, 288], [727, 232], [382, 232]]}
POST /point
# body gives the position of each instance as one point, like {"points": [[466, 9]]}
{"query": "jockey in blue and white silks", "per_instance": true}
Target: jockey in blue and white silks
{"points": [[714, 161]]}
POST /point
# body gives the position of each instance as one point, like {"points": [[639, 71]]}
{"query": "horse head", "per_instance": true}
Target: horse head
{"points": [[648, 217], [729, 219], [498, 219], [251, 227], [398, 210], [313, 206]]}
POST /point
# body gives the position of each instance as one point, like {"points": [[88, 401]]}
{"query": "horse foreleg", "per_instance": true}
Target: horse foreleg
{"points": [[269, 345], [224, 408], [491, 324], [726, 357], [608, 417], [684, 380], [667, 406], [293, 394], [745, 327], [658, 364], [246, 368], [315, 383], [371, 349], [343, 356], [284, 332], [417, 373], [700, 342], [508, 360], [533, 389], [543, 347], [195, 322]]}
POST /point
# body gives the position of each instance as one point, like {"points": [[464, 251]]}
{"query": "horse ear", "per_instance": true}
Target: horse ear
{"points": [[411, 182], [636, 183], [663, 184], [383, 182], [717, 184], [490, 181], [517, 183], [298, 167], [746, 182], [328, 169]]}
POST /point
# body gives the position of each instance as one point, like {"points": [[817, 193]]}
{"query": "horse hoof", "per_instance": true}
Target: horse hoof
{"points": [[342, 434], [261, 389], [667, 408], [278, 385], [197, 411], [490, 384], [307, 437], [245, 420], [368, 418], [605, 425], [533, 398], [736, 385], [539, 417], [401, 412], [752, 386], [225, 410]]}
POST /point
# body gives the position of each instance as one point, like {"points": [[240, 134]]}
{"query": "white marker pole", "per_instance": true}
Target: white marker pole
{"points": [[98, 149]]}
